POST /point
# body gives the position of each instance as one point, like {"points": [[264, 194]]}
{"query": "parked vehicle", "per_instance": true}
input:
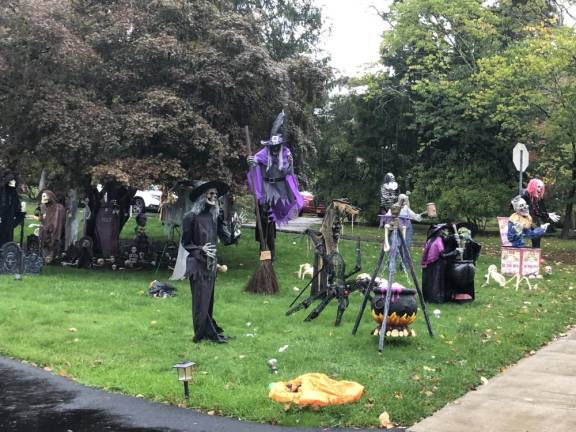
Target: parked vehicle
{"points": [[311, 206], [147, 200]]}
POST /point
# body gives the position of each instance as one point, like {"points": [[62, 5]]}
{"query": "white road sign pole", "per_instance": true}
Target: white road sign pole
{"points": [[521, 161]]}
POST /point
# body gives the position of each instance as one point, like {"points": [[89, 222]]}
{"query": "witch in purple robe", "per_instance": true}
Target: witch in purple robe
{"points": [[271, 179]]}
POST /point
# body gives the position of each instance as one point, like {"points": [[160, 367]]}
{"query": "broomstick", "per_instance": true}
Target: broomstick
{"points": [[263, 281]]}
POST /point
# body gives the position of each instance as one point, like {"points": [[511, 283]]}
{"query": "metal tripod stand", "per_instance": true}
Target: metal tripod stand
{"points": [[397, 243]]}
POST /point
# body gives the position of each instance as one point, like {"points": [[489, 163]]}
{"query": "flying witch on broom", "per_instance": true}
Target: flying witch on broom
{"points": [[272, 181]]}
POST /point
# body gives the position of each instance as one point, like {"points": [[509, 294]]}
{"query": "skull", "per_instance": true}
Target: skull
{"points": [[211, 197], [45, 199], [520, 206]]}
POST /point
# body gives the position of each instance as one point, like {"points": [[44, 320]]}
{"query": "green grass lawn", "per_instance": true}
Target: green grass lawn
{"points": [[99, 328]]}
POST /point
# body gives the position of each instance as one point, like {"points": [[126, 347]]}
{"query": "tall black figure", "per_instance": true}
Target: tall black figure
{"points": [[10, 208], [398, 243], [202, 226]]}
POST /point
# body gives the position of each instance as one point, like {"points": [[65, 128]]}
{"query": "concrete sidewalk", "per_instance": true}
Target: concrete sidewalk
{"points": [[537, 394]]}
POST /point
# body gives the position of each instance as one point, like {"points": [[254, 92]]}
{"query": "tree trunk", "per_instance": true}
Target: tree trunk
{"points": [[569, 217]]}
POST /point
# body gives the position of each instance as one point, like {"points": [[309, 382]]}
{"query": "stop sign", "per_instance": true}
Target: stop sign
{"points": [[520, 157]]}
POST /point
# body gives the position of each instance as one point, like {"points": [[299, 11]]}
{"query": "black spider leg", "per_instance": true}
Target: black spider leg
{"points": [[410, 265], [306, 303], [342, 305], [318, 309]]}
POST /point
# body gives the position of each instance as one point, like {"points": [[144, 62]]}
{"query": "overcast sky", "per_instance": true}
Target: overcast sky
{"points": [[356, 32]]}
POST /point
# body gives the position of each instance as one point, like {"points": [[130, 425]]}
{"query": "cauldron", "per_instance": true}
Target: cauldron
{"points": [[401, 312], [460, 280]]}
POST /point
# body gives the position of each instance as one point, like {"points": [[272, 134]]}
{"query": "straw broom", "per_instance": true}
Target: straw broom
{"points": [[263, 281]]}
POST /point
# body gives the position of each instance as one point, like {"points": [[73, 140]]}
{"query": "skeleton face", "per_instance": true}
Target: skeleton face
{"points": [[212, 197], [520, 207], [12, 183], [274, 150], [539, 188], [45, 199]]}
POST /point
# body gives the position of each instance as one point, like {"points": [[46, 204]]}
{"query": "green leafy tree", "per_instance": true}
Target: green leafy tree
{"points": [[89, 83]]}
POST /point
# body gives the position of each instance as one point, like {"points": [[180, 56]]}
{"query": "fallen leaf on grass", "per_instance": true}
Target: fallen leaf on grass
{"points": [[72, 330], [398, 395], [211, 412], [63, 372], [415, 377], [385, 421], [47, 368], [484, 380]]}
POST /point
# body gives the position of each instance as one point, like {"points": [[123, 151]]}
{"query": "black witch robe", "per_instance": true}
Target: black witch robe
{"points": [[199, 229], [10, 213]]}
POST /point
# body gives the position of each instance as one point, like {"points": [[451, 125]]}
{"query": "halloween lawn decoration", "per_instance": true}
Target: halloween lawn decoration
{"points": [[11, 214], [521, 226], [272, 181], [330, 265], [202, 227], [534, 198], [388, 193], [402, 310], [266, 194], [52, 218], [398, 243]]}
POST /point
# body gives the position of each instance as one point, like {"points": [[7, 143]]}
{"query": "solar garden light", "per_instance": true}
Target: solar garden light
{"points": [[184, 370]]}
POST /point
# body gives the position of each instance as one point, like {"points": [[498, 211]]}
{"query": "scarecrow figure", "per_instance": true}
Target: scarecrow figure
{"points": [[271, 179], [534, 197], [11, 214], [520, 225], [202, 226]]}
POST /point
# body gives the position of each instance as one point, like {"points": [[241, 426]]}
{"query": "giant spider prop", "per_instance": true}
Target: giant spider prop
{"points": [[330, 266]]}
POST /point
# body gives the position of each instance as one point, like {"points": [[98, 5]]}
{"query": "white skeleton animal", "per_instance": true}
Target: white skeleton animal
{"points": [[305, 270]]}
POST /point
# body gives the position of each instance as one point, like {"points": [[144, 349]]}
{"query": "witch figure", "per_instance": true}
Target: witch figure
{"points": [[271, 179], [534, 197], [202, 227], [11, 214], [440, 249]]}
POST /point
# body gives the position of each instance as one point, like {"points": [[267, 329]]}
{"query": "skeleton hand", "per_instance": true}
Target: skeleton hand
{"points": [[210, 250], [554, 217], [518, 228], [545, 226], [251, 161]]}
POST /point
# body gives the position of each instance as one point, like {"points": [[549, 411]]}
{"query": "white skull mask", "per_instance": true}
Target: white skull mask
{"points": [[12, 183], [45, 198], [212, 197], [520, 206]]}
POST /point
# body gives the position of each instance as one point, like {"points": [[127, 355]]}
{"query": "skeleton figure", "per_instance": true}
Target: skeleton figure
{"points": [[202, 227], [520, 224], [388, 193], [332, 265]]}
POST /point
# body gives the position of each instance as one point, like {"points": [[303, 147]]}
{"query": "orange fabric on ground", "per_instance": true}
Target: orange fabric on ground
{"points": [[316, 390]]}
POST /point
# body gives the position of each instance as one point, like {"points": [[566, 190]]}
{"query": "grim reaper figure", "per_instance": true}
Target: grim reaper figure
{"points": [[202, 227]]}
